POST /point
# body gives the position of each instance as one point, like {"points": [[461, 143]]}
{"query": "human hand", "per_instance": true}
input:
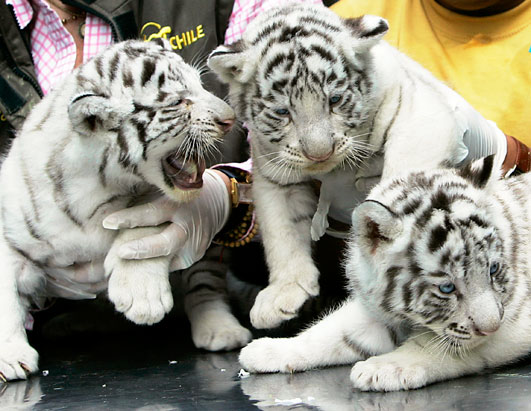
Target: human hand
{"points": [[369, 173], [483, 138], [193, 224], [77, 281]]}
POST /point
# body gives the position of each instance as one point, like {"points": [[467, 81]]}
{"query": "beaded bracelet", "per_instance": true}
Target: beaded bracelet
{"points": [[242, 226]]}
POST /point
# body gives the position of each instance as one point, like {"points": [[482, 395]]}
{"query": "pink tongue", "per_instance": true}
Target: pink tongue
{"points": [[187, 174], [184, 171]]}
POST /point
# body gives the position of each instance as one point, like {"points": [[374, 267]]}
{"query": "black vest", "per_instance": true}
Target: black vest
{"points": [[194, 28]]}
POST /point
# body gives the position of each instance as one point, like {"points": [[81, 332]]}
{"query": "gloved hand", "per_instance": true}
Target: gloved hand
{"points": [[369, 174], [77, 281], [484, 141], [193, 224]]}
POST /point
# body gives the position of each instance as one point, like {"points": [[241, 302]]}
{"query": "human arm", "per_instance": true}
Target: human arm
{"points": [[478, 138]]}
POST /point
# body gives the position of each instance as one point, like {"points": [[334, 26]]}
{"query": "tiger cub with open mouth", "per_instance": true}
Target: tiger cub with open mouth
{"points": [[132, 122]]}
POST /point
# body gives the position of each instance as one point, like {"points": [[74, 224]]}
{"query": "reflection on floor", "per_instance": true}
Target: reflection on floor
{"points": [[157, 368]]}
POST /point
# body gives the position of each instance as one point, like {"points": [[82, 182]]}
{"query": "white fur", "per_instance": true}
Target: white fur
{"points": [[428, 131], [54, 194], [419, 354]]}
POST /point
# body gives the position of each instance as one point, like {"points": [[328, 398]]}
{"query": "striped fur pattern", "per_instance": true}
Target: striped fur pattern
{"points": [[438, 265], [132, 123], [325, 99]]}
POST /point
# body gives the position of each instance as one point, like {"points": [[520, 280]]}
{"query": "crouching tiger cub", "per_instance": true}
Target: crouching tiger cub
{"points": [[133, 121], [438, 268], [321, 96]]}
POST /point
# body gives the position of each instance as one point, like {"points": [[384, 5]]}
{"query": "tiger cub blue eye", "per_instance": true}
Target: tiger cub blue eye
{"points": [[447, 288], [334, 99], [494, 267], [282, 111]]}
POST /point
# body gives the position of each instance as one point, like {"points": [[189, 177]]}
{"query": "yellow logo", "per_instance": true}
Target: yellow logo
{"points": [[162, 32], [154, 30]]}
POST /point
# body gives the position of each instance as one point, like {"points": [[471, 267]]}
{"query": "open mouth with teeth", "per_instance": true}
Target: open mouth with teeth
{"points": [[186, 174]]}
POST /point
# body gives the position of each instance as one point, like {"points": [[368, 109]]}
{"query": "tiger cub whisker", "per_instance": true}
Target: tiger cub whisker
{"points": [[129, 126], [452, 280], [327, 100]]}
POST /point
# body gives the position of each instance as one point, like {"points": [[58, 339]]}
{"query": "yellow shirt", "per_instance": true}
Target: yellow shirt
{"points": [[485, 59]]}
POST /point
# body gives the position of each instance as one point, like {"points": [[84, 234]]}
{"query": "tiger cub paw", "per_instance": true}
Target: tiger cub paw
{"points": [[280, 302], [141, 290], [18, 360], [382, 373], [219, 331], [266, 355]]}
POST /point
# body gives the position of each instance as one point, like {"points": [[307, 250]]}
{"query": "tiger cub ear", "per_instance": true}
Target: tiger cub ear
{"points": [[480, 172], [89, 113], [232, 63], [368, 30], [375, 225], [163, 43]]}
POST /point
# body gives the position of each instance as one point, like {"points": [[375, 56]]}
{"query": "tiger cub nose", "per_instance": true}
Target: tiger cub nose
{"points": [[484, 331], [320, 157], [225, 124]]}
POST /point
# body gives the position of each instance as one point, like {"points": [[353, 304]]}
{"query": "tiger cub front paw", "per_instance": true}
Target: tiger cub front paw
{"points": [[382, 373], [266, 355], [18, 360], [141, 289], [280, 302], [219, 331]]}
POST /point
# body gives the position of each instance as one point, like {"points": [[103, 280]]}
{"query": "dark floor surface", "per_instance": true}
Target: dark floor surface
{"points": [[148, 369]]}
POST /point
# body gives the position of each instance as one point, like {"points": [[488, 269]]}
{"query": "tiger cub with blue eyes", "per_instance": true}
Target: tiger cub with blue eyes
{"points": [[439, 279], [325, 99]]}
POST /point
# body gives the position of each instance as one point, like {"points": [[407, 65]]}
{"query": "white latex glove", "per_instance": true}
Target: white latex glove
{"points": [[77, 281], [484, 141], [369, 173], [193, 224]]}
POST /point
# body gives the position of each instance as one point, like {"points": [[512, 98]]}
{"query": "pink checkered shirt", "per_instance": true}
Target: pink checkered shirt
{"points": [[54, 50], [52, 46], [244, 11]]}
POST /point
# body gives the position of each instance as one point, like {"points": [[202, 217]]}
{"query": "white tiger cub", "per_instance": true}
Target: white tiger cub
{"points": [[132, 121], [322, 95], [440, 282]]}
